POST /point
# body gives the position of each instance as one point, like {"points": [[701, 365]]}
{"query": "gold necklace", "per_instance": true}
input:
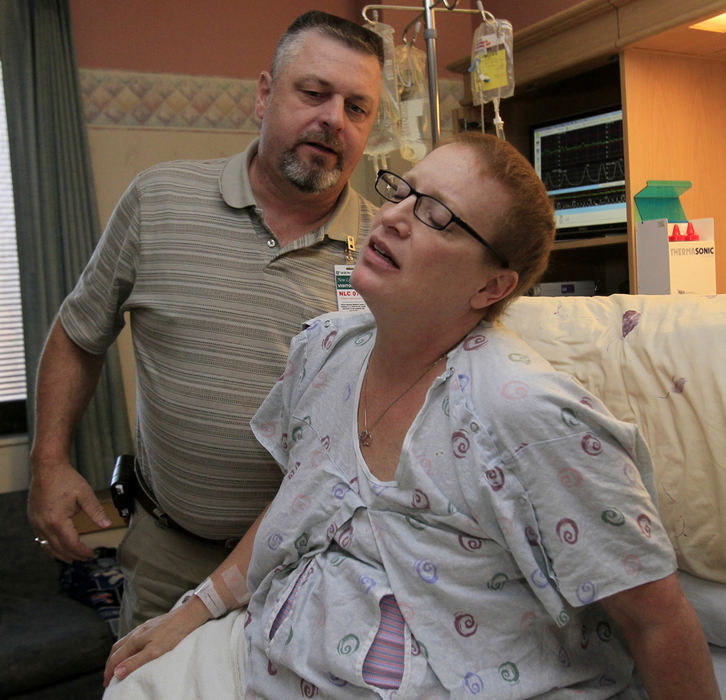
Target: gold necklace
{"points": [[365, 436]]}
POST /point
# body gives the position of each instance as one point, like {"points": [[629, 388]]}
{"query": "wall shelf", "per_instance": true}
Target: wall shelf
{"points": [[595, 242]]}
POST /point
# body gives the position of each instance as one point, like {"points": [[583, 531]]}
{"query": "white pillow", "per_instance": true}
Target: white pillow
{"points": [[656, 361]]}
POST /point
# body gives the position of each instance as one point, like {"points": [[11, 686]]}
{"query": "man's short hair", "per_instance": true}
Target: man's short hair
{"points": [[525, 231], [349, 33]]}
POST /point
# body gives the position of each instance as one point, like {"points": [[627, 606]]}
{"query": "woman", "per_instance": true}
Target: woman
{"points": [[457, 518]]}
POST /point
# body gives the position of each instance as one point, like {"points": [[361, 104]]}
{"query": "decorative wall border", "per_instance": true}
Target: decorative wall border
{"points": [[165, 101]]}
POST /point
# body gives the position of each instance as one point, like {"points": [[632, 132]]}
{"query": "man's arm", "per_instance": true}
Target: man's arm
{"points": [[159, 635], [665, 639], [67, 378]]}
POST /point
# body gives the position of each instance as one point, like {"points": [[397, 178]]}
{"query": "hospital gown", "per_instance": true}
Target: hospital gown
{"points": [[518, 500]]}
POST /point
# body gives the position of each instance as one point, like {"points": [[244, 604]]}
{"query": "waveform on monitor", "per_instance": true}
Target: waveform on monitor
{"points": [[590, 198], [576, 142], [589, 174]]}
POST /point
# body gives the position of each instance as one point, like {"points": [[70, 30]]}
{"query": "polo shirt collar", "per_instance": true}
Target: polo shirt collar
{"points": [[234, 186]]}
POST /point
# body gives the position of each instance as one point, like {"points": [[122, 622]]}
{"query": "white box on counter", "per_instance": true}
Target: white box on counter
{"points": [[675, 267]]}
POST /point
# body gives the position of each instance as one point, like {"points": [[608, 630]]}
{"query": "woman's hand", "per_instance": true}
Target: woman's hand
{"points": [[154, 638]]}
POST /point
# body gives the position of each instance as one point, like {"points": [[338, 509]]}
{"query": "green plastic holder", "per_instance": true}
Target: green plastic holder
{"points": [[660, 199]]}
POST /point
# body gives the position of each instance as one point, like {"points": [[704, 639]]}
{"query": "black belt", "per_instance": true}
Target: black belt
{"points": [[167, 523]]}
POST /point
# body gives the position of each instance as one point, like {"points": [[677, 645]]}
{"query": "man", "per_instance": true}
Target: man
{"points": [[215, 287]]}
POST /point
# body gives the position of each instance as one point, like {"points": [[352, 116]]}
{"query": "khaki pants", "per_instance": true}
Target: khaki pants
{"points": [[159, 566]]}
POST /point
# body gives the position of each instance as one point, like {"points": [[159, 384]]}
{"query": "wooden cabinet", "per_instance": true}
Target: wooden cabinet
{"points": [[675, 106], [671, 83]]}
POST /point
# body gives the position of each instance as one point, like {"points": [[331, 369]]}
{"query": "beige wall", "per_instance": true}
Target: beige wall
{"points": [[232, 38], [236, 38]]}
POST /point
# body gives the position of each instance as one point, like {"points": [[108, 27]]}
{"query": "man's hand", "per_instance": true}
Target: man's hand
{"points": [[67, 378], [56, 495], [154, 638]]}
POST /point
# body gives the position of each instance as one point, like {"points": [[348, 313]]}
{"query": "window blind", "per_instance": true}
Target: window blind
{"points": [[12, 355]]}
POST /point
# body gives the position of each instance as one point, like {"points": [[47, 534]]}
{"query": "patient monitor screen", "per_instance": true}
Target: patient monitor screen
{"points": [[582, 164]]}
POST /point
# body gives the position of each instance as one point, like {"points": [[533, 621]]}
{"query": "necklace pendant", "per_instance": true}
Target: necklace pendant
{"points": [[365, 437]]}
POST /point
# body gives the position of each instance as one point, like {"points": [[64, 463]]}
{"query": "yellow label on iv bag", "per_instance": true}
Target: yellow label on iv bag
{"points": [[492, 67], [489, 71]]}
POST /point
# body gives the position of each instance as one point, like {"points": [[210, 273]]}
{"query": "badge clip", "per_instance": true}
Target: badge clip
{"points": [[349, 260]]}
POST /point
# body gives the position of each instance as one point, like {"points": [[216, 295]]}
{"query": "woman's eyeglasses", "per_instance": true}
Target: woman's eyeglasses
{"points": [[427, 209]]}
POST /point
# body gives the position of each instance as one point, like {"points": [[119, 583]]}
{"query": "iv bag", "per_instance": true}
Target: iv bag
{"points": [[413, 99], [492, 64], [384, 137]]}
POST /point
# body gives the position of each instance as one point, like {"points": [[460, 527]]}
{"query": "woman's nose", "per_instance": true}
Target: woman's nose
{"points": [[398, 216]]}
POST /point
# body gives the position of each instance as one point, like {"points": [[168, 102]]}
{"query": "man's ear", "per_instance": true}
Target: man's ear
{"points": [[264, 88], [500, 285]]}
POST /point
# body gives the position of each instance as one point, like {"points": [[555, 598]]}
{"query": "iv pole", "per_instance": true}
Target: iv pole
{"points": [[430, 37]]}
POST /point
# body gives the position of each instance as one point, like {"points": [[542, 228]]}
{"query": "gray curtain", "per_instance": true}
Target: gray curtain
{"points": [[55, 205]]}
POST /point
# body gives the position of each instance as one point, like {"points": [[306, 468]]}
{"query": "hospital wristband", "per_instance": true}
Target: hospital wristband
{"points": [[207, 593]]}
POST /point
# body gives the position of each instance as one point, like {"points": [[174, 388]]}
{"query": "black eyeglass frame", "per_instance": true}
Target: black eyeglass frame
{"points": [[454, 218]]}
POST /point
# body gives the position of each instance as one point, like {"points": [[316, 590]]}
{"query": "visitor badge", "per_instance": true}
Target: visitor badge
{"points": [[348, 298]]}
